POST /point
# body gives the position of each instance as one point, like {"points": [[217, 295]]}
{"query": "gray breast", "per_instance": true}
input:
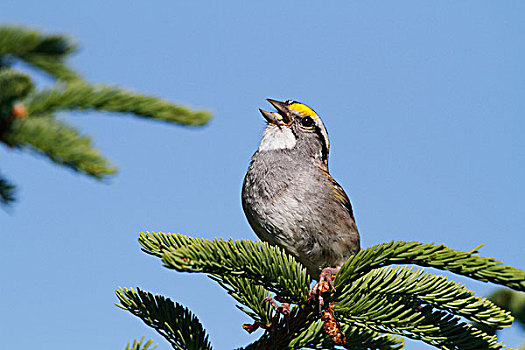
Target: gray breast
{"points": [[290, 202]]}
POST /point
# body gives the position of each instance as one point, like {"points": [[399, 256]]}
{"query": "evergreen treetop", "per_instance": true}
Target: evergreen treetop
{"points": [[373, 306]]}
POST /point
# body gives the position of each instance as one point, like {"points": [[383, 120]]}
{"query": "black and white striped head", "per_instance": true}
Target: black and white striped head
{"points": [[295, 126]]}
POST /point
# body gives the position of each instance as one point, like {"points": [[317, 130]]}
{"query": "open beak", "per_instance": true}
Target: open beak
{"points": [[281, 117], [271, 117]]}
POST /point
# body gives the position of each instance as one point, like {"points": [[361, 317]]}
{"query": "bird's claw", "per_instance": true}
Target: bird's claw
{"points": [[325, 284]]}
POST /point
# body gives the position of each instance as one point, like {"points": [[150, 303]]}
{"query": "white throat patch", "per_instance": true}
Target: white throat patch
{"points": [[277, 138]]}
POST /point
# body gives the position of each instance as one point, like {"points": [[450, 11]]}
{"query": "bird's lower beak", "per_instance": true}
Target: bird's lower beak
{"points": [[271, 117], [281, 117]]}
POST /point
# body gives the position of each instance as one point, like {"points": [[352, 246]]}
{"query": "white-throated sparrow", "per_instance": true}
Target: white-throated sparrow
{"points": [[288, 195]]}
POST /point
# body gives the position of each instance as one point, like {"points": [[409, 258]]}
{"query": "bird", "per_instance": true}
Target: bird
{"points": [[289, 197]]}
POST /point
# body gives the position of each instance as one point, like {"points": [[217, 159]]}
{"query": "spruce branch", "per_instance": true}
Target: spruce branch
{"points": [[27, 115], [395, 315], [46, 52], [437, 256], [241, 289], [176, 323], [141, 345], [424, 288], [263, 264], [260, 262], [157, 243], [246, 293], [53, 67], [80, 96], [59, 142], [13, 86], [21, 41]]}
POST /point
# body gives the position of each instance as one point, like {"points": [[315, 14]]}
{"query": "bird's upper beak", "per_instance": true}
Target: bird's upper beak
{"points": [[281, 117]]}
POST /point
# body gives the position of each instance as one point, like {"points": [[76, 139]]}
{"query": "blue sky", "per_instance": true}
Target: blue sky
{"points": [[423, 102]]}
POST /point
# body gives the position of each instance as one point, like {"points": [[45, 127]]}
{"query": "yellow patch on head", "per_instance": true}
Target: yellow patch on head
{"points": [[303, 109]]}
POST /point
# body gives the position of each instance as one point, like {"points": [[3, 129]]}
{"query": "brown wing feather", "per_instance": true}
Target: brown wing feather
{"points": [[340, 194]]}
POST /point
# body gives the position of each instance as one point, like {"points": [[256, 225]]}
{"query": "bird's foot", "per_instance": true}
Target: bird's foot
{"points": [[325, 284]]}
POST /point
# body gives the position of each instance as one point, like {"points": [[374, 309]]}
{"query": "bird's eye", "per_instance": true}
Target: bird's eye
{"points": [[307, 122]]}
